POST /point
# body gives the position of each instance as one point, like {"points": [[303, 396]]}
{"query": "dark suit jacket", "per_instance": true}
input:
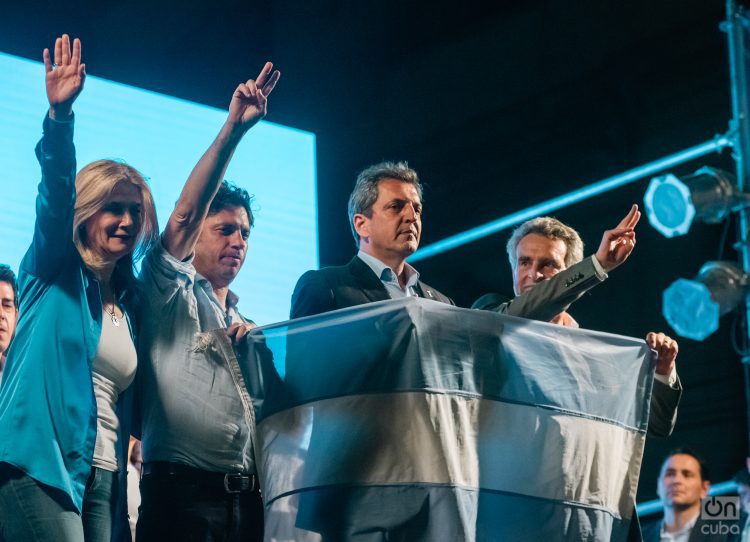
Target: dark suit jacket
{"points": [[344, 286], [336, 511], [548, 298]]}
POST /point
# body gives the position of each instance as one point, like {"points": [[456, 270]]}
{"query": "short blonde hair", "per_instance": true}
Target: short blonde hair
{"points": [[94, 184]]}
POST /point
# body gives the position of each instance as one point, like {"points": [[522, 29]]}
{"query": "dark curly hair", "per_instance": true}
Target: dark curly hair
{"points": [[229, 195]]}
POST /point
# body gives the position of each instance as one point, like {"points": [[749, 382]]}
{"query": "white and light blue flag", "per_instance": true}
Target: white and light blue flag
{"points": [[418, 421]]}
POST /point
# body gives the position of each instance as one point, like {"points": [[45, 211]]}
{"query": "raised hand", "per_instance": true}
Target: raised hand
{"points": [[250, 101], [65, 78], [666, 350], [617, 244]]}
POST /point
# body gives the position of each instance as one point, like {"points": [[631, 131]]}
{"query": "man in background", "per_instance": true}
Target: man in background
{"points": [[683, 482], [8, 312]]}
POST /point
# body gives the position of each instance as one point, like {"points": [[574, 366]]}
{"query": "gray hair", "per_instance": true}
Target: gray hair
{"points": [[365, 191], [550, 228]]}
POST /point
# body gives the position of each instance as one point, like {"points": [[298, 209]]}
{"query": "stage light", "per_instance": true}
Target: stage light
{"points": [[708, 194], [693, 307]]}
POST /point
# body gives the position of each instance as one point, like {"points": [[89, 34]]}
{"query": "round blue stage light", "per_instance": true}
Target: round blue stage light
{"points": [[690, 310], [668, 204]]}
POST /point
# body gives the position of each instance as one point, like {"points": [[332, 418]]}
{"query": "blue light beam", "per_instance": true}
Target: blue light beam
{"points": [[610, 183]]}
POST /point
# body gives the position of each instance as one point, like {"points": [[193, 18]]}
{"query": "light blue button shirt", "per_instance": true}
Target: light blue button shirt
{"points": [[389, 278], [191, 408]]}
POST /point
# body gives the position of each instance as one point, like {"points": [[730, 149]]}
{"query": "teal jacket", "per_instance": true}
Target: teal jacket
{"points": [[47, 405]]}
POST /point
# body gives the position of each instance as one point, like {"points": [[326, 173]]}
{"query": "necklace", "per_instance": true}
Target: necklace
{"points": [[112, 315]]}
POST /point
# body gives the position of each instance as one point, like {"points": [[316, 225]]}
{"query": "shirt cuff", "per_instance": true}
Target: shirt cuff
{"points": [[67, 120], [670, 379], [600, 272], [52, 126]]}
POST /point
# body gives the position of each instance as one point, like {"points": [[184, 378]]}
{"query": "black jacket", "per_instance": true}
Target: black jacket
{"points": [[344, 286]]}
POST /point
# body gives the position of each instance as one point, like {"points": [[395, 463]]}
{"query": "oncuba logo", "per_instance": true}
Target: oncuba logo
{"points": [[721, 515]]}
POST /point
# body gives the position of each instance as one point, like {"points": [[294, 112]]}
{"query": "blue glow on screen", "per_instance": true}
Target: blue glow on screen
{"points": [[163, 137]]}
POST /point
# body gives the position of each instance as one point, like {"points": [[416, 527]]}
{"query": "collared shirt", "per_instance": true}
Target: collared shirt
{"points": [[390, 279], [192, 412], [680, 536]]}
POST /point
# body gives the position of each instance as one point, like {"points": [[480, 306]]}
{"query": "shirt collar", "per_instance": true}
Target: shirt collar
{"points": [[685, 529], [385, 273], [232, 298]]}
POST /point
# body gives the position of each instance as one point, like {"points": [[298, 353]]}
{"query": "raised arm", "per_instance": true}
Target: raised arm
{"points": [[550, 297], [56, 154], [248, 106]]}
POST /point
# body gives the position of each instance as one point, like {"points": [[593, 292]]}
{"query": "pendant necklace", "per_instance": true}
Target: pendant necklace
{"points": [[112, 314]]}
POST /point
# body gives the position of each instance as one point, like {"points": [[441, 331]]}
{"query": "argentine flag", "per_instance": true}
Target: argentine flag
{"points": [[413, 420]]}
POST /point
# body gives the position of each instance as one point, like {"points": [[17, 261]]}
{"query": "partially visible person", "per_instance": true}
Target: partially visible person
{"points": [[65, 402], [8, 312], [684, 480], [742, 479], [385, 216], [550, 273], [199, 479], [135, 463]]}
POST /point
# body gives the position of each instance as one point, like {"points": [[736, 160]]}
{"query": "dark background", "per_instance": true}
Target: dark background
{"points": [[498, 105]]}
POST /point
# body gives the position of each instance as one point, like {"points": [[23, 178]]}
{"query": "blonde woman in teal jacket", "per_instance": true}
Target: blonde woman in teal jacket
{"points": [[65, 399]]}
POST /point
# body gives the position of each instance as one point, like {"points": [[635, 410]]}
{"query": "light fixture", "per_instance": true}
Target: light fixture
{"points": [[693, 307], [709, 194]]}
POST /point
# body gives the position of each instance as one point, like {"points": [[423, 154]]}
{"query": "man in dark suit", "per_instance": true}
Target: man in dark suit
{"points": [[683, 482], [385, 214], [550, 273]]}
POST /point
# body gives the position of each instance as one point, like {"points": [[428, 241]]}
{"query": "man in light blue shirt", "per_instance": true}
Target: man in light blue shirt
{"points": [[199, 478]]}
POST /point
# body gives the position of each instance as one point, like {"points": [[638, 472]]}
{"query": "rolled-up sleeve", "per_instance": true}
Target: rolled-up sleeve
{"points": [[164, 276]]}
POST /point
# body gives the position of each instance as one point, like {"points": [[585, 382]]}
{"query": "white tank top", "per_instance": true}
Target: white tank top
{"points": [[112, 372]]}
